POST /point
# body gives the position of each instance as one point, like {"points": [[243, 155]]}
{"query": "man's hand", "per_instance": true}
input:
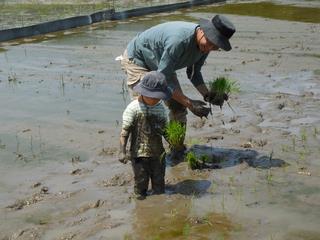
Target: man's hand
{"points": [[214, 99], [123, 158], [198, 108]]}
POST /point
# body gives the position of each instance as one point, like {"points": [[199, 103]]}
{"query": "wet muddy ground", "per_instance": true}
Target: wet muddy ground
{"points": [[61, 100]]}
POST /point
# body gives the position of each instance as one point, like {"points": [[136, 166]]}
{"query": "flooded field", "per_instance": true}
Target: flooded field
{"points": [[23, 13], [62, 97]]}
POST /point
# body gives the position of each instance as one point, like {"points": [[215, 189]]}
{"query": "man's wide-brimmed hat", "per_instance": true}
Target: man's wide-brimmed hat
{"points": [[153, 85], [218, 30]]}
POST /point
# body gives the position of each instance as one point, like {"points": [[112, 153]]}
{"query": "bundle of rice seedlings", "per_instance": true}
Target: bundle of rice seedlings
{"points": [[175, 133], [222, 86]]}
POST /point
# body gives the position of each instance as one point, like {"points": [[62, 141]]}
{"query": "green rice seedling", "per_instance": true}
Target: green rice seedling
{"points": [[302, 155], [207, 221], [293, 143], [223, 202], [204, 158], [127, 237], [175, 133], [269, 177], [186, 230], [12, 78], [192, 160], [315, 132], [222, 86], [231, 180], [285, 148], [304, 136], [174, 212], [214, 187]]}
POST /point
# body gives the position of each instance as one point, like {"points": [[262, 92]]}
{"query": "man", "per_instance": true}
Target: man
{"points": [[171, 46]]}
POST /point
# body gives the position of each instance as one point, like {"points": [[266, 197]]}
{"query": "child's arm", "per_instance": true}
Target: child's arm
{"points": [[124, 136], [127, 123]]}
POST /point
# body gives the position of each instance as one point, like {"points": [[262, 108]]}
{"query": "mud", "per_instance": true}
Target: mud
{"points": [[61, 100]]}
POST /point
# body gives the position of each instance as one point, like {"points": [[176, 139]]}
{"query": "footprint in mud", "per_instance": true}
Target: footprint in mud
{"points": [[199, 123], [79, 171], [108, 151], [88, 206], [35, 198], [26, 234], [122, 179]]}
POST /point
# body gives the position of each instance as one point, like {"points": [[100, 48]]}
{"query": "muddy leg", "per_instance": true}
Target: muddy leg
{"points": [[158, 167], [141, 177]]}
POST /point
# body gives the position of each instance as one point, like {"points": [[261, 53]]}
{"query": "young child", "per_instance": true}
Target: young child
{"points": [[144, 120]]}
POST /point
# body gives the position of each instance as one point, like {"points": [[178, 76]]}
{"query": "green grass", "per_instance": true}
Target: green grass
{"points": [[175, 133]]}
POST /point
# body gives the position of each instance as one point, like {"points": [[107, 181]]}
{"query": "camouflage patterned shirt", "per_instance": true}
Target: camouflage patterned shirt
{"points": [[146, 125]]}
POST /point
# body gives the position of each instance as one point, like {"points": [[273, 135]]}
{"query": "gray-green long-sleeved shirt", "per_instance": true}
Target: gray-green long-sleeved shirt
{"points": [[168, 47]]}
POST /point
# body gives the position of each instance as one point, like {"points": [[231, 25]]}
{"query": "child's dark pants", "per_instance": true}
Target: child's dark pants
{"points": [[145, 168]]}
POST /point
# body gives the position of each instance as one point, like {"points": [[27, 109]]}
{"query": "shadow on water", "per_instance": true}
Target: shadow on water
{"points": [[226, 157], [268, 10], [189, 187], [218, 158]]}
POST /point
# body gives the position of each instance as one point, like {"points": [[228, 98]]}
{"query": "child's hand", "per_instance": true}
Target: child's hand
{"points": [[123, 158]]}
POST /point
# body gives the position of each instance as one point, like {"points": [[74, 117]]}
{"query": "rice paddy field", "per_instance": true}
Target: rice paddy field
{"points": [[25, 13]]}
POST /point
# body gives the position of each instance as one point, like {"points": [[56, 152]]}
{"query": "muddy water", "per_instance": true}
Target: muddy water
{"points": [[61, 102], [25, 13]]}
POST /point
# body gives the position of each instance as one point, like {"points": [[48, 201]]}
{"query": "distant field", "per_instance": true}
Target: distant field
{"points": [[20, 13]]}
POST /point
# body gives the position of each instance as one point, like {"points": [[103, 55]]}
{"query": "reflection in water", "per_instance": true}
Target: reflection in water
{"points": [[302, 234], [174, 217], [28, 148], [189, 187]]}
